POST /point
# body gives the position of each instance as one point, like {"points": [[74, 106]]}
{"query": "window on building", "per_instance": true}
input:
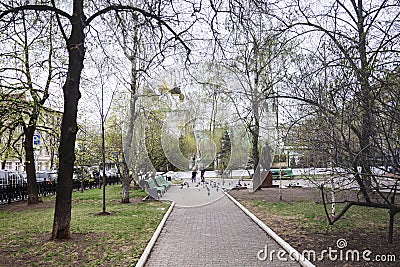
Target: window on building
{"points": [[18, 166], [8, 165]]}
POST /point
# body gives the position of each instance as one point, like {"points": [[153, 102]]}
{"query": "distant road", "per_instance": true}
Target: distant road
{"points": [[343, 181]]}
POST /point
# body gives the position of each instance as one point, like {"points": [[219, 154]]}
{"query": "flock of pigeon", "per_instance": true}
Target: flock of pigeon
{"points": [[208, 185]]}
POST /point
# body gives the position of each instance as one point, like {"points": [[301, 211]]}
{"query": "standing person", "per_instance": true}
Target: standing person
{"points": [[194, 173], [202, 172]]}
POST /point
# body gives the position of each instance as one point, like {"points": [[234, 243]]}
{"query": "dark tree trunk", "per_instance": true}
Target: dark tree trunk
{"points": [[33, 197], [367, 108], [254, 150], [69, 128], [255, 132], [361, 183]]}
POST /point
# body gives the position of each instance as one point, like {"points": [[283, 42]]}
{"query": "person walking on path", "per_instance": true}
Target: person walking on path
{"points": [[202, 175], [194, 173]]}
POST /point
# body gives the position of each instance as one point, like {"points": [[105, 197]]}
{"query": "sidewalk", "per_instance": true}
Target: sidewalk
{"points": [[195, 194], [213, 232]]}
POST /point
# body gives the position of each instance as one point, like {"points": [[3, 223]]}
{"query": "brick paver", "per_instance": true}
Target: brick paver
{"points": [[217, 234]]}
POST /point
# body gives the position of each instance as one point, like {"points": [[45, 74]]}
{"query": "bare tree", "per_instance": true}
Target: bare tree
{"points": [[360, 38], [24, 80], [130, 35]]}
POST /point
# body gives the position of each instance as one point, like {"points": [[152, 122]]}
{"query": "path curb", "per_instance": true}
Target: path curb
{"points": [[289, 249], [141, 262]]}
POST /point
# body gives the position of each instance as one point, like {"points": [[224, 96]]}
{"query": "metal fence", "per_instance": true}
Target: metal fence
{"points": [[18, 192]]}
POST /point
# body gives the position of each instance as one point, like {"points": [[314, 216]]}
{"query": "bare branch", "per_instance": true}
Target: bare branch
{"points": [[35, 7], [144, 13]]}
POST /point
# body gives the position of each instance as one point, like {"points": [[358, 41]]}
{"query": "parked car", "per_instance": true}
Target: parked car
{"points": [[8, 177], [46, 176]]}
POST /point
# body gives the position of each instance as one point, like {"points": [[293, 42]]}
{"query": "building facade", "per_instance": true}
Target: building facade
{"points": [[46, 140]]}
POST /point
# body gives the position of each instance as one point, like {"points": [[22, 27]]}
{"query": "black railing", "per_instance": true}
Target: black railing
{"points": [[18, 192], [11, 193]]}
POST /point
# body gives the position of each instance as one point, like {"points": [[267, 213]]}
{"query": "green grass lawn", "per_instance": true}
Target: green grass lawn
{"points": [[311, 216], [117, 239], [303, 225]]}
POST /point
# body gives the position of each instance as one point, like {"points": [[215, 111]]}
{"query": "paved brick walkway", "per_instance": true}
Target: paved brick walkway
{"points": [[218, 234], [192, 196]]}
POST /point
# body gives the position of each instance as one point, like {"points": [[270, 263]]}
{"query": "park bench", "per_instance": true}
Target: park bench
{"points": [[286, 173], [153, 189], [153, 184], [162, 182]]}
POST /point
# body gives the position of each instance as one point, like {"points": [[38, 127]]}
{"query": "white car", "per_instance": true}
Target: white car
{"points": [[49, 176]]}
